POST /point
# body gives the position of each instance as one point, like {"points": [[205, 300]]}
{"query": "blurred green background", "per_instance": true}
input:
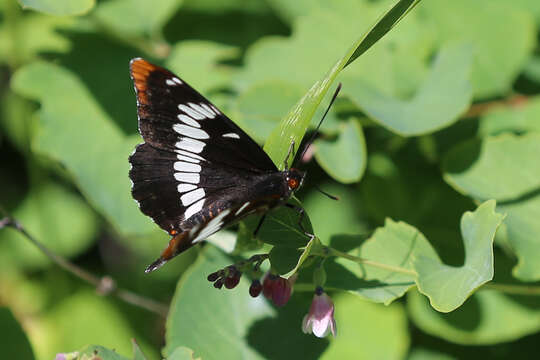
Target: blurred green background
{"points": [[440, 115]]}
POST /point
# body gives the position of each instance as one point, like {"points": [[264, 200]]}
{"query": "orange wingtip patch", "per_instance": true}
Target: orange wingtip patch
{"points": [[140, 70]]}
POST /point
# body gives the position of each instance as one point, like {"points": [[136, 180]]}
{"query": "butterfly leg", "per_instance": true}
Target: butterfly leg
{"points": [[289, 153], [301, 214], [259, 225]]}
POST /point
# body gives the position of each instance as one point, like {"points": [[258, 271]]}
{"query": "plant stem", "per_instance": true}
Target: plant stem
{"points": [[514, 289], [333, 252], [104, 285]]}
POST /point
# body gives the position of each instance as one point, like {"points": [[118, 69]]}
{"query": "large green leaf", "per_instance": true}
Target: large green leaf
{"points": [[15, 344], [501, 22], [294, 125], [500, 167], [395, 244], [444, 95], [102, 353], [198, 63], [85, 318], [261, 106], [344, 158], [182, 353], [523, 227], [214, 322], [74, 130], [386, 337], [59, 7], [19, 43], [136, 17], [399, 245], [488, 317], [448, 287], [519, 118], [93, 351]]}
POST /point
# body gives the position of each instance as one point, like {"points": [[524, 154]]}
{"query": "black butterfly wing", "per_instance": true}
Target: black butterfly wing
{"points": [[195, 161]]}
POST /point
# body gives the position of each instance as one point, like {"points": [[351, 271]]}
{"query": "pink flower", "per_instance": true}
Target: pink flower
{"points": [[320, 319]]}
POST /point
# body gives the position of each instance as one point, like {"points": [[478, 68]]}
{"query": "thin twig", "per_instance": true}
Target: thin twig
{"points": [[104, 285], [481, 108], [514, 289]]}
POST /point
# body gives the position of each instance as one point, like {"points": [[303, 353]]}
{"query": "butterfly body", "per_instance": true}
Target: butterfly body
{"points": [[197, 171]]}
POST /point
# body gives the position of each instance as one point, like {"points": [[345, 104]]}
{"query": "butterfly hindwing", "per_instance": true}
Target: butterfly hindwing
{"points": [[195, 162]]}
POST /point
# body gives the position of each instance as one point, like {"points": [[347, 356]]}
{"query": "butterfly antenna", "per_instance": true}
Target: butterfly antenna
{"points": [[320, 122], [325, 193]]}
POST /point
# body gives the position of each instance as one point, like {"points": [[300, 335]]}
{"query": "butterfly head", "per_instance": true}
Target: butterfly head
{"points": [[295, 178]]}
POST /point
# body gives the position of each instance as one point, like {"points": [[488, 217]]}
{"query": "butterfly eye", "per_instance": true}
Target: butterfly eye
{"points": [[293, 183]]}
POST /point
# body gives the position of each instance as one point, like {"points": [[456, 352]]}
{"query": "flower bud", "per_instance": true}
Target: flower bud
{"points": [[255, 288]]}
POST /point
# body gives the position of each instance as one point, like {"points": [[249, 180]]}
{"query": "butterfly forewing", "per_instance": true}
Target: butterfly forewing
{"points": [[196, 165]]}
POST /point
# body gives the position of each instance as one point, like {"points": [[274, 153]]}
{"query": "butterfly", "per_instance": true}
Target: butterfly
{"points": [[197, 172]]}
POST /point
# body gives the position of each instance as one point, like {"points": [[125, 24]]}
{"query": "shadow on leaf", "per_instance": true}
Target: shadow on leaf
{"points": [[274, 337]]}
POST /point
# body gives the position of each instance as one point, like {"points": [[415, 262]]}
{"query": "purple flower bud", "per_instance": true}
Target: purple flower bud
{"points": [[232, 281], [213, 276], [255, 288], [281, 293], [218, 284]]}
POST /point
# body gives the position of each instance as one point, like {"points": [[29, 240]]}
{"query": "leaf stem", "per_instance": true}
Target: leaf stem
{"points": [[104, 285], [328, 251], [514, 289]]}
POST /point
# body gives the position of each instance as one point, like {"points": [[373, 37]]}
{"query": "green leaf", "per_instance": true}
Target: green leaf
{"points": [[100, 352], [386, 337], [215, 322], [295, 124], [137, 352], [448, 287], [19, 43], [532, 69], [261, 106], [400, 245], [83, 318], [488, 317], [75, 131], [345, 158], [501, 22], [198, 63], [136, 17], [445, 94], [500, 167], [182, 353], [281, 227], [15, 344], [330, 217], [395, 244], [59, 7], [519, 118], [43, 213], [522, 228], [420, 353], [286, 260]]}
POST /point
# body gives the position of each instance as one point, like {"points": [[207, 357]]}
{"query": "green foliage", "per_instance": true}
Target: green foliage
{"points": [[431, 148], [213, 322], [15, 344], [430, 109], [447, 287], [59, 7]]}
